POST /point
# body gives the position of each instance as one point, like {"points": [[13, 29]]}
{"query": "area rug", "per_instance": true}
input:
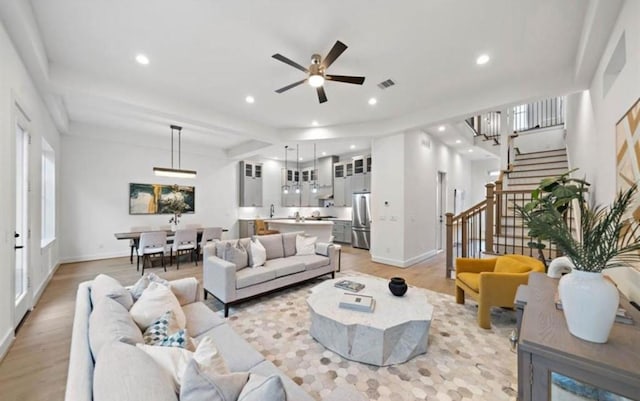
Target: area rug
{"points": [[463, 361]]}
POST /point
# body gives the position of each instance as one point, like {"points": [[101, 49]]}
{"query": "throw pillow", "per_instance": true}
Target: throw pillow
{"points": [[509, 265], [124, 372], [235, 254], [209, 358], [221, 246], [160, 329], [305, 245], [155, 301], [137, 289], [258, 254], [260, 388], [109, 321], [106, 286], [197, 385]]}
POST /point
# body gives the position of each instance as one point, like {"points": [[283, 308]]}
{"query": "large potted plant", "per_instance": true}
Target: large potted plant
{"points": [[605, 237]]}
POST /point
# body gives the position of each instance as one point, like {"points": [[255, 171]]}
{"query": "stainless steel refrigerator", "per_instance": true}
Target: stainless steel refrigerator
{"points": [[361, 220]]}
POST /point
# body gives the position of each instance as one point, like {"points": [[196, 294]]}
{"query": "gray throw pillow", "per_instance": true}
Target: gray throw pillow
{"points": [[106, 286], [198, 386], [144, 281], [126, 373], [260, 388], [109, 321], [236, 255]]}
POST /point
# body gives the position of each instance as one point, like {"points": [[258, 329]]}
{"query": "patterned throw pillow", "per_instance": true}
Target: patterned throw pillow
{"points": [[158, 332]]}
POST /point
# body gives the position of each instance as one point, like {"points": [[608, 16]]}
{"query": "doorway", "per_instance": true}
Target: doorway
{"points": [[22, 294], [441, 204]]}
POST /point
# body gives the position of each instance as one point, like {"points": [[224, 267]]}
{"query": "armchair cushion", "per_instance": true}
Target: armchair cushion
{"points": [[510, 265], [472, 280]]}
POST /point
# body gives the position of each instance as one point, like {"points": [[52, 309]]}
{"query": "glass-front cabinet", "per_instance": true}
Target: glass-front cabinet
{"points": [[250, 184]]}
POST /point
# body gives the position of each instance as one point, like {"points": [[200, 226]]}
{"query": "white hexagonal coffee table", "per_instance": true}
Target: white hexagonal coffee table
{"points": [[396, 331]]}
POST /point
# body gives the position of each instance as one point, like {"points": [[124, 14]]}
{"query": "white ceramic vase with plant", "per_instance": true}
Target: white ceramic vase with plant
{"points": [[174, 203], [606, 237]]}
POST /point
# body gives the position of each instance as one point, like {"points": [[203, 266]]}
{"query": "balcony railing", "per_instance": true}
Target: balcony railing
{"points": [[541, 114], [486, 125]]}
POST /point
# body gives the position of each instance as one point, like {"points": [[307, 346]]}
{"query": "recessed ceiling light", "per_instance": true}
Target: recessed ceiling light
{"points": [[300, 159], [352, 146], [142, 59], [324, 153], [314, 123], [458, 141], [373, 101], [249, 99], [483, 59], [470, 150], [441, 128]]}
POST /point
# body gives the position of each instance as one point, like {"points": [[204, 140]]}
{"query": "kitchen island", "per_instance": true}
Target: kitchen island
{"points": [[313, 228]]}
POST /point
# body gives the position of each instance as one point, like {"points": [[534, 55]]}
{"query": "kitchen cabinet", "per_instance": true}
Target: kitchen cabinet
{"points": [[342, 177], [361, 181], [341, 231], [246, 228], [250, 184]]}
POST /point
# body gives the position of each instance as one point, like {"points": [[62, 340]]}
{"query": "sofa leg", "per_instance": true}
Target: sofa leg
{"points": [[333, 274], [484, 315], [205, 294], [226, 310], [459, 295]]}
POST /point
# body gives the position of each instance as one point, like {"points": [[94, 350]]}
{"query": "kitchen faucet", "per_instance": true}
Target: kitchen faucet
{"points": [[272, 211]]}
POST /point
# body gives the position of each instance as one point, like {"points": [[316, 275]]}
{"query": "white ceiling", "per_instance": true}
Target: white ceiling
{"points": [[207, 56]]}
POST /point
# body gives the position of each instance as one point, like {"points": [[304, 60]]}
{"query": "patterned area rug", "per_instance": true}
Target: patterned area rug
{"points": [[463, 361]]}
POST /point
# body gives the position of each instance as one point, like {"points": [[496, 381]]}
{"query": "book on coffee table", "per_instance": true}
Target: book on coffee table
{"points": [[349, 285], [358, 302]]}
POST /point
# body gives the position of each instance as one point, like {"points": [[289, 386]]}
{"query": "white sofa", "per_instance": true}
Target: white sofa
{"points": [[283, 267], [239, 356]]}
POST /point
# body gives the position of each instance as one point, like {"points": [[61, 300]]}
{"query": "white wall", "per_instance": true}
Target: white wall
{"points": [[592, 116], [479, 178], [95, 189], [17, 86], [404, 232]]}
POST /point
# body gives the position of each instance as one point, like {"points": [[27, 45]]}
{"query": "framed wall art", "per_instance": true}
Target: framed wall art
{"points": [[161, 199]]}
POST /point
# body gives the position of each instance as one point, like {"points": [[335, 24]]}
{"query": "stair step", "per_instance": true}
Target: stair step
{"points": [[533, 180], [539, 172], [543, 153], [540, 159], [537, 166]]}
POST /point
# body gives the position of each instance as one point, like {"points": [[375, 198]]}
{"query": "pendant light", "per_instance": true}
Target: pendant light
{"points": [[285, 187], [314, 188], [297, 182], [175, 172]]}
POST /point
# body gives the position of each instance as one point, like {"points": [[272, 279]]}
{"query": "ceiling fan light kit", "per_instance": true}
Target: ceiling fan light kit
{"points": [[175, 172], [316, 72]]}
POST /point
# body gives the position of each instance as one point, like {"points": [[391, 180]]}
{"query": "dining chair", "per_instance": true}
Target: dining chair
{"points": [[209, 234], [152, 243], [134, 243], [185, 241]]}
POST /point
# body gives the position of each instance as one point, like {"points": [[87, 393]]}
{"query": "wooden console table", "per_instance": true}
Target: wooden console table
{"points": [[545, 346]]}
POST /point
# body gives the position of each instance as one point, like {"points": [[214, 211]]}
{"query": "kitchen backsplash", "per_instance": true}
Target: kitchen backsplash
{"points": [[263, 212]]}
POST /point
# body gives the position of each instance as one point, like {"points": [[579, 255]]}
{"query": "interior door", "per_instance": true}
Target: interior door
{"points": [[22, 296], [441, 201]]}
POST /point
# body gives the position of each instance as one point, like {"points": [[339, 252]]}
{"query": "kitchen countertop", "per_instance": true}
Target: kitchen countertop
{"points": [[306, 222]]}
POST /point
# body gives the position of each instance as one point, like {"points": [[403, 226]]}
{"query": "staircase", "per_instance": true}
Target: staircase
{"points": [[493, 226]]}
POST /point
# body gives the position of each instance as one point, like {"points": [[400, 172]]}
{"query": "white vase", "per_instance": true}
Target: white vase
{"points": [[174, 227], [589, 303]]}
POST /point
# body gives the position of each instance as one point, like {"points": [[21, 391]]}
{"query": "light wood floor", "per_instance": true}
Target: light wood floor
{"points": [[35, 367]]}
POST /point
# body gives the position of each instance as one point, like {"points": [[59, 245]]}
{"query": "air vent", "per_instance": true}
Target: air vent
{"points": [[386, 84]]}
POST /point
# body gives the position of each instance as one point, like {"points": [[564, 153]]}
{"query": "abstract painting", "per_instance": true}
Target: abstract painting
{"points": [[158, 198]]}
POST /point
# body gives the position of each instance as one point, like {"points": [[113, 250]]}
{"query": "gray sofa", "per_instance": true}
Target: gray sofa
{"points": [[201, 321], [229, 284]]}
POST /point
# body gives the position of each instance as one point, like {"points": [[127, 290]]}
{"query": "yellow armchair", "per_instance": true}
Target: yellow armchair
{"points": [[493, 282]]}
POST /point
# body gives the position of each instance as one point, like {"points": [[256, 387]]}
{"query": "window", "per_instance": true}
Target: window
{"points": [[48, 194]]}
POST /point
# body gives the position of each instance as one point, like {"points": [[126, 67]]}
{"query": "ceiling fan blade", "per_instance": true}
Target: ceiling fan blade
{"points": [[293, 85], [322, 97], [292, 63], [335, 52], [345, 78]]}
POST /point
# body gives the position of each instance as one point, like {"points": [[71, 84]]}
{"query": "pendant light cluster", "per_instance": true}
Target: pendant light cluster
{"points": [[175, 172], [296, 186]]}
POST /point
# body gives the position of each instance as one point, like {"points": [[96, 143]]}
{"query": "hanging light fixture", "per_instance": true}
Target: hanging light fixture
{"points": [[175, 172], [296, 186], [314, 188], [285, 187]]}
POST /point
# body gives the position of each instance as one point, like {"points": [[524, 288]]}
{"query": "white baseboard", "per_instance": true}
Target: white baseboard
{"points": [[43, 286], [404, 263], [97, 256], [5, 343]]}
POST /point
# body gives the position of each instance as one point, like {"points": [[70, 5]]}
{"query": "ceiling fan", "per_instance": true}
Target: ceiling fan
{"points": [[316, 71]]}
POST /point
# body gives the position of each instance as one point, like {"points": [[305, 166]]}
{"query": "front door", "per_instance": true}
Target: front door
{"points": [[22, 296]]}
